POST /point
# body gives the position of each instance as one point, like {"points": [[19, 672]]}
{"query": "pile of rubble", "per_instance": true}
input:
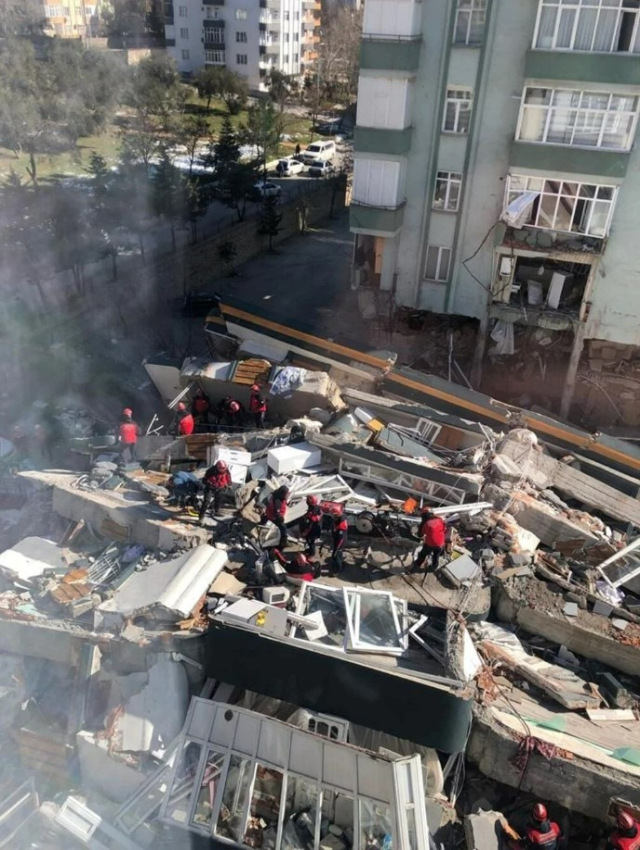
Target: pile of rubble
{"points": [[211, 694]]}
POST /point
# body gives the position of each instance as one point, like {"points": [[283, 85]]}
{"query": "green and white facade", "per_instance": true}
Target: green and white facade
{"points": [[469, 107]]}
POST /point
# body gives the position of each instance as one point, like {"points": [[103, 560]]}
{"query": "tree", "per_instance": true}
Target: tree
{"points": [[218, 81], [22, 19], [155, 88], [225, 152], [235, 179], [166, 193], [189, 134], [339, 51], [143, 142], [194, 203], [133, 21], [263, 131], [270, 219], [227, 253]]}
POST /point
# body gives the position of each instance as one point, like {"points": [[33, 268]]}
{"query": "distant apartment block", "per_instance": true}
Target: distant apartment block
{"points": [[78, 19]]}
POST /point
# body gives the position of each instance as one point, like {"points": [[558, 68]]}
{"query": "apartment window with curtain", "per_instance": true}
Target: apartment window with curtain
{"points": [[565, 205], [437, 263], [184, 33], [596, 26], [577, 118], [241, 37], [182, 11], [185, 54], [241, 59], [457, 111], [216, 57], [471, 16], [447, 192]]}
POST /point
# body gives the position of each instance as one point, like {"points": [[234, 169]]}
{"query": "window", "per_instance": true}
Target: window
{"points": [[241, 59], [241, 14], [286, 16], [601, 26], [184, 33], [578, 118], [564, 205], [437, 267], [295, 57], [182, 11], [470, 20], [447, 193], [214, 56], [56, 11], [214, 35], [457, 112], [211, 13], [241, 37], [185, 54]]}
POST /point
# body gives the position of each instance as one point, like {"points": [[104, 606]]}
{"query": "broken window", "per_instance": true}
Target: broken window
{"points": [[565, 205], [457, 111], [234, 799], [373, 622], [300, 822], [264, 812], [177, 805], [211, 778], [447, 192], [471, 17], [375, 825], [331, 604], [146, 801], [603, 26]]}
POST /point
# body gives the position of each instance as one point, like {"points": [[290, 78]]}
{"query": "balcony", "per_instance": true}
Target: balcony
{"points": [[390, 18], [213, 2], [376, 140], [390, 54], [381, 221], [553, 158], [610, 68]]}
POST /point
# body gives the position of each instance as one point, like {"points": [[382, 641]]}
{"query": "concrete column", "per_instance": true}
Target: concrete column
{"points": [[572, 370]]}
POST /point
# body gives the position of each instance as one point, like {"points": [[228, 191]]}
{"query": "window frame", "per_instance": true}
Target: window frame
{"points": [[587, 5], [473, 7], [183, 11], [450, 179], [459, 109], [588, 112], [219, 61], [440, 249], [186, 55], [242, 59], [184, 33]]}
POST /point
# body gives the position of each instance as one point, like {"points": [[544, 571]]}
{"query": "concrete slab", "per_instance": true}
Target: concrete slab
{"points": [[483, 831], [462, 570]]}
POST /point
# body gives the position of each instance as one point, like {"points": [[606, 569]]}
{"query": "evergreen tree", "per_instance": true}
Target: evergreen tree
{"points": [[270, 219]]}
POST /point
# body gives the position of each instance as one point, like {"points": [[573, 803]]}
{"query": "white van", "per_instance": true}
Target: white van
{"points": [[318, 150]]}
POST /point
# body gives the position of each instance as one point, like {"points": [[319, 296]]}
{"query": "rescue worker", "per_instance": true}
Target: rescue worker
{"points": [[311, 525], [200, 407], [339, 533], [216, 480], [257, 406], [230, 412], [434, 535], [42, 442], [184, 487], [541, 832], [128, 434], [299, 566], [275, 511], [626, 835], [183, 423]]}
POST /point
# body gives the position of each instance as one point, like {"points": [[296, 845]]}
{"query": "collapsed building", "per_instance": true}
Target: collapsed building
{"points": [[158, 691]]}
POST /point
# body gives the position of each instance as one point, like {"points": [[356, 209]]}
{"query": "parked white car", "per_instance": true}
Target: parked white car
{"points": [[321, 168], [266, 189], [287, 167], [318, 150]]}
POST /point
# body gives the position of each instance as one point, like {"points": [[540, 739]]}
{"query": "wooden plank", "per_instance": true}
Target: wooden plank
{"points": [[611, 715]]}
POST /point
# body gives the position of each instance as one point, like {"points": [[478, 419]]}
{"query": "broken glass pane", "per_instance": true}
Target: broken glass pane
{"points": [[373, 622], [331, 605], [234, 799], [338, 817], [178, 802], [208, 788], [375, 826], [299, 823], [262, 829], [143, 807]]}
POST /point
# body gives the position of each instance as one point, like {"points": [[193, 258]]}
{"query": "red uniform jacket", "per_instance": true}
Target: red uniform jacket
{"points": [[276, 509], [201, 404], [312, 522], [340, 533], [536, 838], [257, 404], [128, 433], [215, 480], [186, 425], [434, 532], [623, 842]]}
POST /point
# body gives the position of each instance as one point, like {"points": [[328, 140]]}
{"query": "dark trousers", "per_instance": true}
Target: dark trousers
{"points": [[128, 450], [282, 528], [434, 551], [259, 419], [211, 494], [311, 541]]}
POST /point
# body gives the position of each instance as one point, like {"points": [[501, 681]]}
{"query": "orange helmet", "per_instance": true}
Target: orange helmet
{"points": [[221, 466], [624, 820], [301, 560], [127, 412], [255, 388], [539, 812], [181, 406], [234, 407]]}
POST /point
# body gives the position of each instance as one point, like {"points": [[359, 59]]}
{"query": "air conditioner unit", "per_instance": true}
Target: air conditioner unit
{"points": [[506, 265]]}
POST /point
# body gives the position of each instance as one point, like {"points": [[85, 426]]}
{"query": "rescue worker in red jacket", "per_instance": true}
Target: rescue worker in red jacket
{"points": [[299, 566], [183, 423], [275, 511], [311, 525], [128, 433], [257, 406], [626, 835], [434, 535], [339, 534], [230, 412], [542, 832], [200, 407], [216, 480]]}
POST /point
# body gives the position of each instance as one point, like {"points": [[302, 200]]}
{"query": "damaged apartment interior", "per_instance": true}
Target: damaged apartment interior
{"points": [[160, 687]]}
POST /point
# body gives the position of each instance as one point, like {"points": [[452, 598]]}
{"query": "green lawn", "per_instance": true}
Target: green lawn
{"points": [[107, 143]]}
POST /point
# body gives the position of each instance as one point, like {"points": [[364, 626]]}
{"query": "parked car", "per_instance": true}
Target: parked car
{"points": [[289, 166], [330, 128], [321, 168], [318, 150], [265, 189]]}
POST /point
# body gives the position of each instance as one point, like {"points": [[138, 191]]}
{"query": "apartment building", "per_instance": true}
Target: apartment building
{"points": [[77, 19], [251, 37], [496, 176]]}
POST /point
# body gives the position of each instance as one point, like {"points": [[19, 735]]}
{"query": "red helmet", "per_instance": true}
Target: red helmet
{"points": [[221, 466], [255, 388], [301, 560], [234, 407], [539, 812], [337, 511], [127, 412], [313, 500], [624, 820], [181, 406]]}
